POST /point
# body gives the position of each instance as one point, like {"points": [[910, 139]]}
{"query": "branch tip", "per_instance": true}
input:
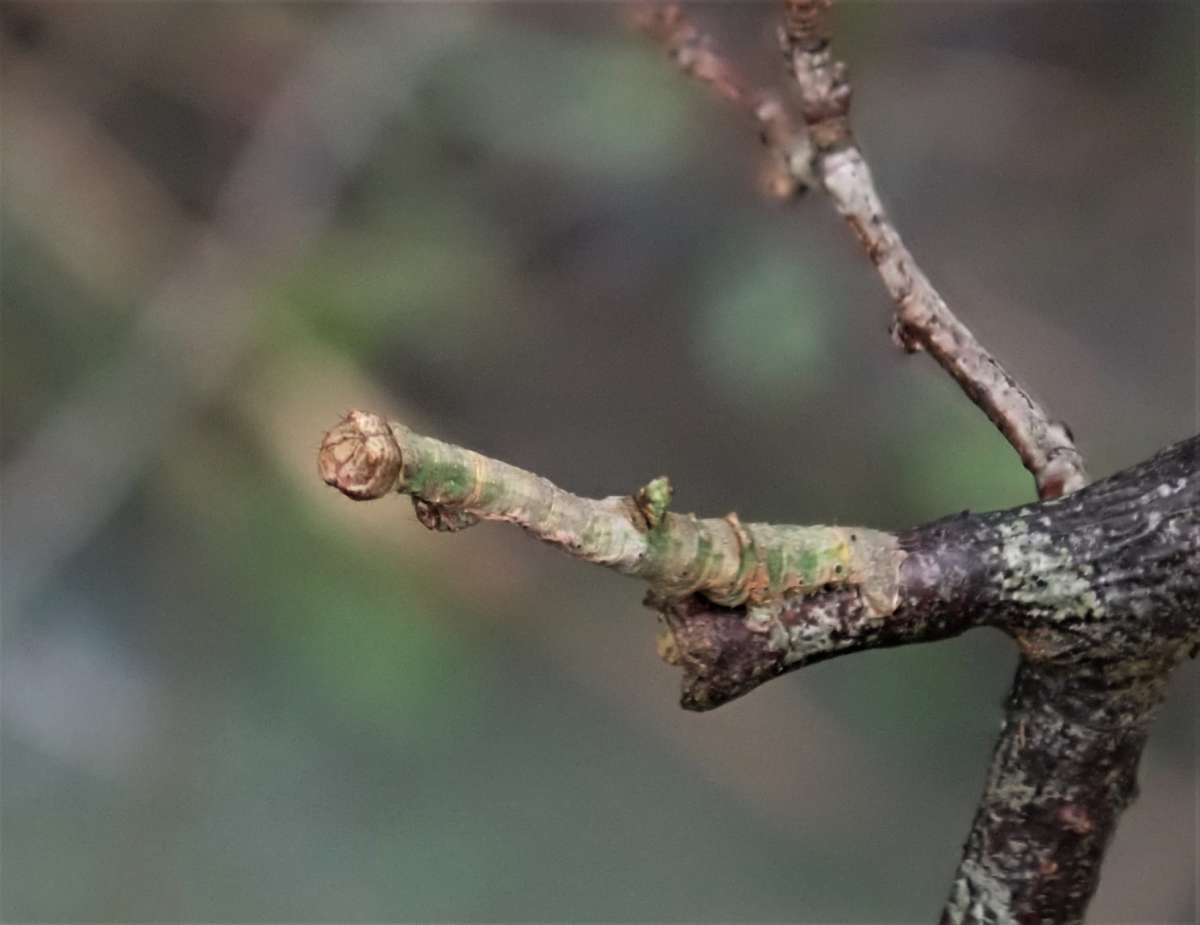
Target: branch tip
{"points": [[360, 457]]}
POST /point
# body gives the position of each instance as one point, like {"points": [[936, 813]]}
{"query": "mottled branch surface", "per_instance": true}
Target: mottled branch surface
{"points": [[1100, 589], [1021, 869]]}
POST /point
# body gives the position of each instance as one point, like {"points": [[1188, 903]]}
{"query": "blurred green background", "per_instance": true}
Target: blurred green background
{"points": [[230, 694]]}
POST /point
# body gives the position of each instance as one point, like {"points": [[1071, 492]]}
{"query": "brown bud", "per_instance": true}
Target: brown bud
{"points": [[360, 457]]}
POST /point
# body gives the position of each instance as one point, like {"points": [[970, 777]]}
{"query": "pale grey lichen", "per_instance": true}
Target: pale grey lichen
{"points": [[815, 634], [979, 897], [1040, 572]]}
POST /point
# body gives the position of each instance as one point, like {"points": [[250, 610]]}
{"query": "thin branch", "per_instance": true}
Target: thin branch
{"points": [[789, 168], [923, 320]]}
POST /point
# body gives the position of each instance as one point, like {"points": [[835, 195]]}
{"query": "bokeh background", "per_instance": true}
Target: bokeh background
{"points": [[229, 694]]}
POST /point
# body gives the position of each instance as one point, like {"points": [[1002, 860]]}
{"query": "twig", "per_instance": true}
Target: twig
{"points": [[789, 171], [743, 604], [923, 320]]}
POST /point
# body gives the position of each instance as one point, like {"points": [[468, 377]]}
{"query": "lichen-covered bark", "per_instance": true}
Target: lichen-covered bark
{"points": [[1060, 777], [1100, 594], [1093, 578], [723, 657], [1101, 591]]}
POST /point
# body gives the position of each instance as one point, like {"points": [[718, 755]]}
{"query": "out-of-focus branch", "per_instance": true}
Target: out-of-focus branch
{"points": [[829, 153], [788, 171], [196, 326]]}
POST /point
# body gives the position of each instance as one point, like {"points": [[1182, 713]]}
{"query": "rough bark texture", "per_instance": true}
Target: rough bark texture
{"points": [[1101, 587], [923, 320], [1056, 788], [818, 148], [1102, 592]]}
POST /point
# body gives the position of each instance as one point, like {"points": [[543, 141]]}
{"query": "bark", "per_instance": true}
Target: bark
{"points": [[1102, 586]]}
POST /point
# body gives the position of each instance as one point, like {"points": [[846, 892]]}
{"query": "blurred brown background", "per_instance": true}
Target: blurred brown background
{"points": [[229, 694]]}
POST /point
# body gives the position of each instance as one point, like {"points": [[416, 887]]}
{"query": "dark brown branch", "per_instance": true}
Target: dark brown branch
{"points": [[1055, 791], [1084, 584], [1101, 591]]}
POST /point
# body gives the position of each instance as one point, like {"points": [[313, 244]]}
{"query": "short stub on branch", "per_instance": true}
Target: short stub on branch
{"points": [[722, 658]]}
